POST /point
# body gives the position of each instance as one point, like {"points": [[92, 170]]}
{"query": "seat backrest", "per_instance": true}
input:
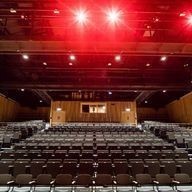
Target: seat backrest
{"points": [[63, 179], [182, 178], [163, 179], [44, 179], [124, 179], [4, 178], [103, 179], [143, 179], [84, 179], [23, 179]]}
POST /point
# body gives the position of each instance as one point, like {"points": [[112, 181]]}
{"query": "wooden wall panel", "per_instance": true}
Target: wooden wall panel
{"points": [[73, 111], [8, 109], [181, 110]]}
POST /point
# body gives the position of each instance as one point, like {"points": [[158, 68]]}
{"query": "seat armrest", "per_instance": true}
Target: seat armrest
{"points": [[32, 182], [176, 182], [135, 182], [10, 182]]}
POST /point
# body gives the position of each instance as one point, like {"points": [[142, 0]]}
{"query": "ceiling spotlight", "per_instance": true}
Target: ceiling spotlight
{"points": [[163, 58], [146, 102], [12, 10], [118, 58], [114, 16], [22, 16], [110, 93], [72, 57], [40, 101], [25, 56], [44, 63], [135, 91], [70, 64], [22, 90], [164, 91], [109, 64], [81, 16], [156, 19], [148, 65], [56, 11], [182, 14]]}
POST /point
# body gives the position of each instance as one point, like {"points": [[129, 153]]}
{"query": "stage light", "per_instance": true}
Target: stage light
{"points": [[72, 57], [118, 58], [109, 64], [114, 16], [190, 20], [12, 10], [25, 56], [183, 14], [81, 16], [56, 11], [163, 58]]}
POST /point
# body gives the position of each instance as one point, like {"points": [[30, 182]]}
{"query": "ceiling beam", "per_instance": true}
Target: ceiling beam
{"points": [[103, 87], [65, 47], [144, 95], [43, 95]]}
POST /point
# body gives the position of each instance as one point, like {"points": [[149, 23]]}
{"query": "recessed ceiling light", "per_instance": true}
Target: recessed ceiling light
{"points": [[109, 92], [148, 65], [44, 63], [109, 64], [164, 91], [22, 16], [163, 58], [182, 14], [40, 101], [22, 90], [25, 56], [72, 57], [118, 58], [12, 10], [56, 11], [146, 102], [70, 64]]}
